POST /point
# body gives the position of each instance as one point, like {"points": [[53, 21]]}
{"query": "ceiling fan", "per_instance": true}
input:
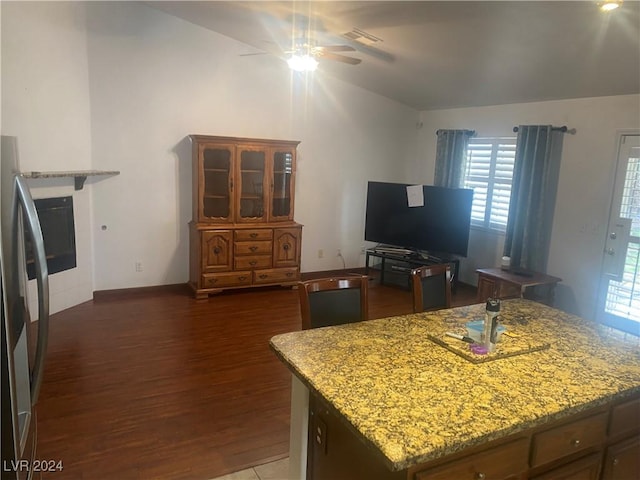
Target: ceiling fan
{"points": [[305, 56], [326, 52], [308, 42]]}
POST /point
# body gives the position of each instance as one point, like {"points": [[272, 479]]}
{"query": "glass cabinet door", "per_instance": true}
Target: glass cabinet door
{"points": [[251, 190], [282, 181], [217, 170]]}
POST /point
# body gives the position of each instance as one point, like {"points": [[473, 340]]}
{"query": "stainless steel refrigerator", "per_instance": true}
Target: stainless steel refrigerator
{"points": [[22, 354]]}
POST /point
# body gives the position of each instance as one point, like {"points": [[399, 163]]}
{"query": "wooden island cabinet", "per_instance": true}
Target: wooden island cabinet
{"points": [[242, 232], [389, 399], [571, 448]]}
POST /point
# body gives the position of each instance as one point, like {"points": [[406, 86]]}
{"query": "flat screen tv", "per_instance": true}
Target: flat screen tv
{"points": [[440, 225]]}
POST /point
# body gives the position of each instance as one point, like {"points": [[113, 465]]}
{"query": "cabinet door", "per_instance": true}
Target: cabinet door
{"points": [[487, 288], [283, 165], [252, 186], [215, 182], [622, 461], [216, 250], [584, 469], [286, 247]]}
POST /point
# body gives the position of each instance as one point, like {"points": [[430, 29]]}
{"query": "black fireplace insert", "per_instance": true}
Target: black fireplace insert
{"points": [[58, 232]]}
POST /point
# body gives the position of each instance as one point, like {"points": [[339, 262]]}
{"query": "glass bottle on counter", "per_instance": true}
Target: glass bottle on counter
{"points": [[490, 324]]}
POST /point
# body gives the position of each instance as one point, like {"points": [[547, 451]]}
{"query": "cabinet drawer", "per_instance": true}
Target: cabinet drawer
{"points": [[252, 261], [253, 248], [567, 439], [257, 234], [231, 279], [500, 462], [509, 290], [625, 418], [276, 275]]}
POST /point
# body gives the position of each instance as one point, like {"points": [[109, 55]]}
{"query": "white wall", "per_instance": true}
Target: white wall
{"points": [[45, 103], [156, 79], [584, 190], [140, 82]]}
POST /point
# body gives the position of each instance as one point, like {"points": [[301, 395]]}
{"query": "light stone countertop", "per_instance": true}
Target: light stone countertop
{"points": [[414, 400]]}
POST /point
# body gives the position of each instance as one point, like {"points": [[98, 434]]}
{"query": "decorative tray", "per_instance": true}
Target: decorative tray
{"points": [[509, 346]]}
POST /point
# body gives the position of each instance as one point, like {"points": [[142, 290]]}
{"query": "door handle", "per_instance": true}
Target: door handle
{"points": [[42, 281]]}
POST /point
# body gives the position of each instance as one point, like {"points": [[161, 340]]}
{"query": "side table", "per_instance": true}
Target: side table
{"points": [[498, 283]]}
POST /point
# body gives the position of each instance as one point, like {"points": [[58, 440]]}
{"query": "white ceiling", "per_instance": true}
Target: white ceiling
{"points": [[445, 54]]}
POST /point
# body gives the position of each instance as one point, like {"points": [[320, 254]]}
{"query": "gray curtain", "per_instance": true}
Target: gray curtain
{"points": [[451, 157], [533, 197]]}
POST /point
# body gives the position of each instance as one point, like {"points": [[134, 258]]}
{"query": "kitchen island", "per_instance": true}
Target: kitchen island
{"points": [[395, 398]]}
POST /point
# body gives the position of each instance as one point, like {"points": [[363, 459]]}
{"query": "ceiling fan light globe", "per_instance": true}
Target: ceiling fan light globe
{"points": [[608, 6], [302, 63]]}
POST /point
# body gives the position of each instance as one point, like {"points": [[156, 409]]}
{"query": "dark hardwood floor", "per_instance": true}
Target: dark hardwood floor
{"points": [[156, 385]]}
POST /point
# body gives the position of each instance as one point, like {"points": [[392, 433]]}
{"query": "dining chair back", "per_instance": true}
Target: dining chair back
{"points": [[431, 285], [333, 301]]}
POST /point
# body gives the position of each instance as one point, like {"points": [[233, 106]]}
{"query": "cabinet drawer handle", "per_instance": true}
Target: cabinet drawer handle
{"points": [[252, 262], [616, 462], [217, 250], [242, 278], [289, 274], [575, 443], [286, 246], [253, 249], [253, 235], [263, 276], [480, 476]]}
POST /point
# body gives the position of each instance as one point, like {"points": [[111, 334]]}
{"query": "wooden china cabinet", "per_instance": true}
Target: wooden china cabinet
{"points": [[242, 233]]}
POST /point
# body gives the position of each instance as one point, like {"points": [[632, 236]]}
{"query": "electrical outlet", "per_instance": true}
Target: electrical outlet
{"points": [[320, 434], [320, 253], [362, 250], [138, 266]]}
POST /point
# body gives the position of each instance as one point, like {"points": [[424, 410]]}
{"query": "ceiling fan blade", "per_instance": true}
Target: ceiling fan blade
{"points": [[252, 54], [339, 58], [336, 48]]}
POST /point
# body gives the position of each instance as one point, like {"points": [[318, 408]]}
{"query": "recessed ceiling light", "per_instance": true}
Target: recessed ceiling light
{"points": [[609, 5]]}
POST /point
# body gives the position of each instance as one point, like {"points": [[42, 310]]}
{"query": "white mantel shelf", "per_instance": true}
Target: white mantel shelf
{"points": [[79, 175]]}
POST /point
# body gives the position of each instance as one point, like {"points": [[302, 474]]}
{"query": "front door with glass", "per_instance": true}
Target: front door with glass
{"points": [[619, 299]]}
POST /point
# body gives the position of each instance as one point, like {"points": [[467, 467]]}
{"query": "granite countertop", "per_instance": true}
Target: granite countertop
{"points": [[414, 400]]}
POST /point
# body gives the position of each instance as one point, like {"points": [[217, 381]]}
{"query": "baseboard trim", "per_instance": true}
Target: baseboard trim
{"points": [[121, 293], [184, 288]]}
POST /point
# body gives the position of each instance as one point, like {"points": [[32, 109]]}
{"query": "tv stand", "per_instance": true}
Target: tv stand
{"points": [[395, 268]]}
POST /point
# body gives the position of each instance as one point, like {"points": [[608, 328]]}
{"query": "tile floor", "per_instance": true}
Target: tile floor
{"points": [[278, 470]]}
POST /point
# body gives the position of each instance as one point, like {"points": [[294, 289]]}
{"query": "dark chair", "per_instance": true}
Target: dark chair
{"points": [[333, 301], [431, 287]]}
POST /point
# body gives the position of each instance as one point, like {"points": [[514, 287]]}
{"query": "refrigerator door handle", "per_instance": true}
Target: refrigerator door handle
{"points": [[42, 280]]}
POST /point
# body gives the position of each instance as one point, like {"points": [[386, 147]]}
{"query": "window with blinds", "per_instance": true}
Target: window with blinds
{"points": [[489, 172]]}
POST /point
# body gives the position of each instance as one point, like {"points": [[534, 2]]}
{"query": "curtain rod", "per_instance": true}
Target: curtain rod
{"points": [[562, 129], [468, 132]]}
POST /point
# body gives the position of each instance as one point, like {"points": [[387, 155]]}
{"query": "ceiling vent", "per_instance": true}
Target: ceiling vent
{"points": [[361, 36]]}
